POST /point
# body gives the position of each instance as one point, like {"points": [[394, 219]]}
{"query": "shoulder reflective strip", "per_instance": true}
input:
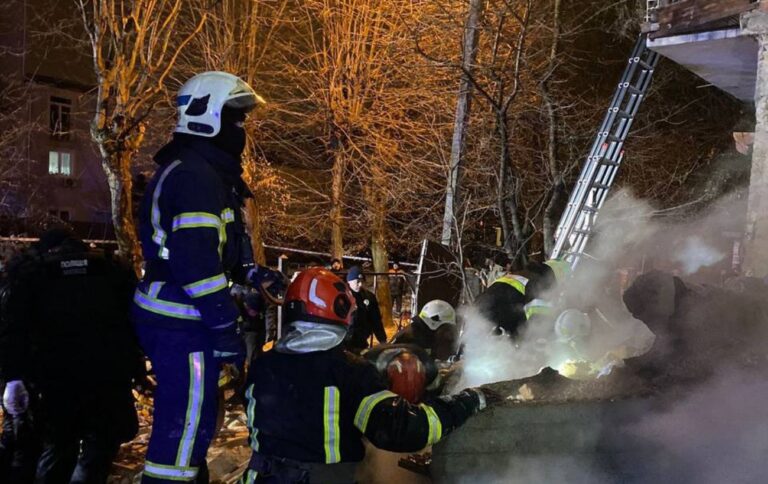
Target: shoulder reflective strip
{"points": [[250, 476], [194, 408], [435, 425], [313, 295], [171, 473], [514, 281], [166, 308], [250, 415], [331, 425], [537, 306], [159, 235], [227, 215], [560, 268], [366, 407], [154, 288], [206, 286], [191, 220]]}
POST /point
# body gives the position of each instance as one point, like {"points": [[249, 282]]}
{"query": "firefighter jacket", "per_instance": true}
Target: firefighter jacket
{"points": [[367, 320], [315, 407], [192, 236], [65, 319], [503, 303], [440, 344]]}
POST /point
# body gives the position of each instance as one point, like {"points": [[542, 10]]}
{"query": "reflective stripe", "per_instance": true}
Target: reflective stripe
{"points": [[227, 216], [250, 476], [435, 426], [537, 307], [154, 288], [166, 308], [159, 235], [249, 412], [331, 430], [172, 473], [191, 220], [194, 408], [561, 268], [518, 282], [366, 407], [206, 286]]}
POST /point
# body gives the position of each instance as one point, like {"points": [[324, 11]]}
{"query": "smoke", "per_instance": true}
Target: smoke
{"points": [[697, 254], [716, 434]]}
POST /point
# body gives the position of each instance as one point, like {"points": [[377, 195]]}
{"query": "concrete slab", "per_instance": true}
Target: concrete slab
{"points": [[726, 59]]}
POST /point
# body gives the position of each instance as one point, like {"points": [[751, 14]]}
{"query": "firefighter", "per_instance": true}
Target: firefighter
{"points": [[309, 403], [194, 244], [68, 355], [434, 330]]}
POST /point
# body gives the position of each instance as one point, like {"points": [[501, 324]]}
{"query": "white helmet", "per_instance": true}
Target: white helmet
{"points": [[572, 324], [202, 98], [437, 313]]}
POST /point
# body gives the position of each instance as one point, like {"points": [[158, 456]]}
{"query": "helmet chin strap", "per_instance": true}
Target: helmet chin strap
{"points": [[307, 337]]}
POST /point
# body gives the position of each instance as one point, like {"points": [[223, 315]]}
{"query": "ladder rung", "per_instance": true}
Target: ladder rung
{"points": [[633, 90], [623, 114], [613, 138], [607, 162], [645, 65], [581, 232], [600, 185], [588, 209]]}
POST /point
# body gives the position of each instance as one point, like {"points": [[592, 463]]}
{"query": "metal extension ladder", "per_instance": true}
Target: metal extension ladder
{"points": [[605, 157]]}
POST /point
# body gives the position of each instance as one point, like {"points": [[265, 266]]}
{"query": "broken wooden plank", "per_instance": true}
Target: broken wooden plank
{"points": [[695, 15]]}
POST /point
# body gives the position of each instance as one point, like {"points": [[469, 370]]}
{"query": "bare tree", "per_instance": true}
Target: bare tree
{"points": [[135, 45]]}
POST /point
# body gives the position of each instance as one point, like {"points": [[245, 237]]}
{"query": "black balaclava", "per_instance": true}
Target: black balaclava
{"points": [[231, 136]]}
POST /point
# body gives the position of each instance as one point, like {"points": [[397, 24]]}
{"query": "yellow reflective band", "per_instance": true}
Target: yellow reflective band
{"points": [[171, 473], [537, 307], [518, 282], [561, 269], [227, 216], [366, 407], [249, 477], [206, 286], [194, 408], [249, 412], [191, 220], [435, 426], [331, 430], [165, 308]]}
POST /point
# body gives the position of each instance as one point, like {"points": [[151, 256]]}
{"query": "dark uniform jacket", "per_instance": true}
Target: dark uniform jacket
{"points": [[315, 407], [503, 303], [367, 320], [440, 344], [192, 236], [65, 319]]}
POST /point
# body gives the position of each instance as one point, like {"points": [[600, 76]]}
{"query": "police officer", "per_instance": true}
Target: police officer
{"points": [[434, 330], [367, 319], [68, 355], [309, 403], [194, 243]]}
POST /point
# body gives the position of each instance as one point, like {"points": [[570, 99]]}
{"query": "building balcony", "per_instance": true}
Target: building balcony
{"points": [[676, 17]]}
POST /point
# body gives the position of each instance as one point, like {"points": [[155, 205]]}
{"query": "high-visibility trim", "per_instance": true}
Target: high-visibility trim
{"points": [[154, 288], [172, 473], [206, 286], [193, 220], [537, 307], [249, 477], [561, 268], [166, 308], [435, 425], [366, 407], [227, 216], [331, 430], [159, 235], [518, 282], [253, 437], [194, 408]]}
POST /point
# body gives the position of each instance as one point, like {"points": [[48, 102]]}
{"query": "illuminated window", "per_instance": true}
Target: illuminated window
{"points": [[59, 163]]}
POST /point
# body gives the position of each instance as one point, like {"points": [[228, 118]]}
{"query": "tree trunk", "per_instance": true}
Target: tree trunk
{"points": [[463, 107], [254, 229], [381, 265], [337, 189], [506, 204], [558, 184], [117, 168]]}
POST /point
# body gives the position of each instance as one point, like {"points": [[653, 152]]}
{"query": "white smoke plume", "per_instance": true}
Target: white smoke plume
{"points": [[696, 254]]}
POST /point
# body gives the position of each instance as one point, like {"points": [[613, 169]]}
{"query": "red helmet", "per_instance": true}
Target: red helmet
{"points": [[407, 376], [317, 295]]}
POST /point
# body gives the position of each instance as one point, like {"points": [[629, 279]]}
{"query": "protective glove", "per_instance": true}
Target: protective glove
{"points": [[228, 346], [486, 396], [15, 398]]}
